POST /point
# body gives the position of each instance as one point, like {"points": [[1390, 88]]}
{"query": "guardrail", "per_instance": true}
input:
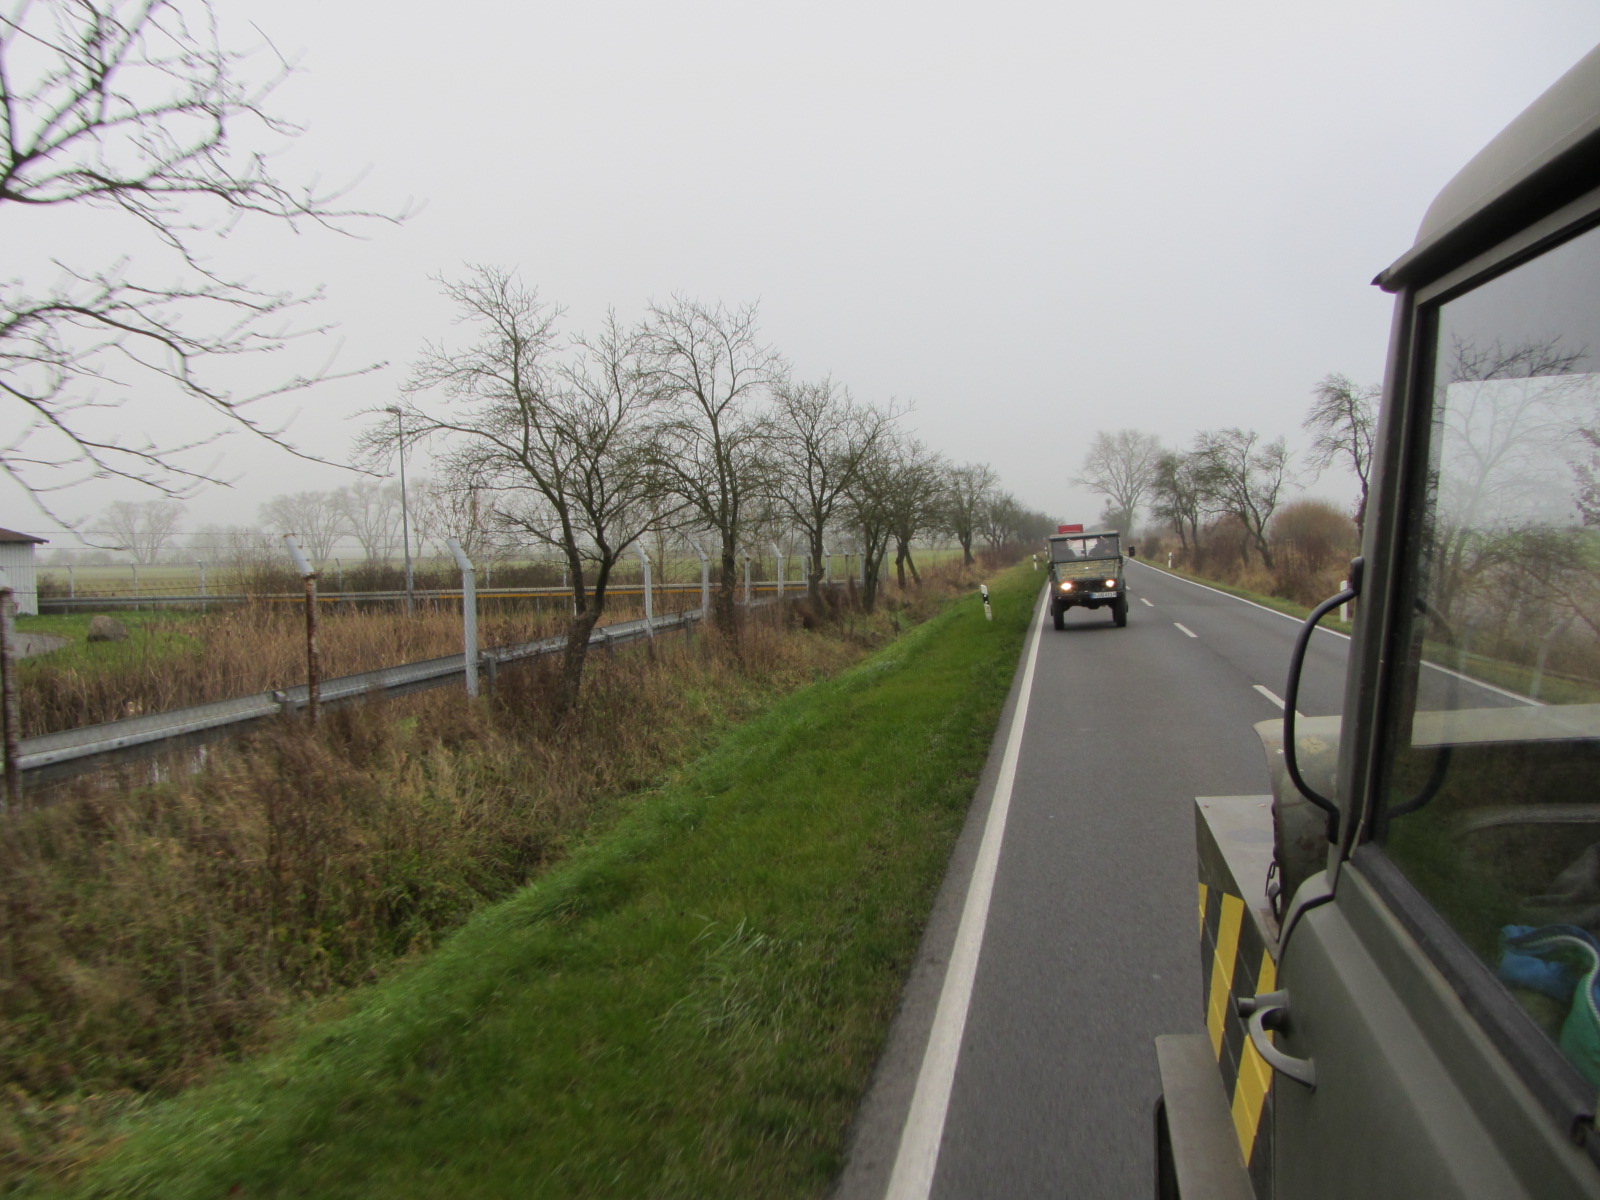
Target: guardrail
{"points": [[82, 602], [72, 751]]}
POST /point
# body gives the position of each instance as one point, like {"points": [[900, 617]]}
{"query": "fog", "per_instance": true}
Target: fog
{"points": [[1028, 221]]}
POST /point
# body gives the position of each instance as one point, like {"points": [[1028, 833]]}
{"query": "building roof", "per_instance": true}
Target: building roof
{"points": [[11, 535]]}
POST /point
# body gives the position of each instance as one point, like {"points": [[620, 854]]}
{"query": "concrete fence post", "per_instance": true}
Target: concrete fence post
{"points": [[10, 719], [649, 599], [72, 583], [313, 674], [827, 567], [469, 615], [705, 581], [778, 557]]}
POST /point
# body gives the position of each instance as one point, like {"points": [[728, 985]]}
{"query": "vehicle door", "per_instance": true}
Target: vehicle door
{"points": [[1441, 977]]}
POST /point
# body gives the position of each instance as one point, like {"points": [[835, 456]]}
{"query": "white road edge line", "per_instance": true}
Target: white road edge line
{"points": [[918, 1156], [1278, 700], [1242, 600], [1187, 630], [1145, 602]]}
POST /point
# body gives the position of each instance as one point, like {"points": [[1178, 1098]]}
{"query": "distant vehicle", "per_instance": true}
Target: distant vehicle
{"points": [[1086, 572], [1401, 984]]}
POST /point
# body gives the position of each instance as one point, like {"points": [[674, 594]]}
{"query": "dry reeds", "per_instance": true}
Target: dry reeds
{"points": [[146, 932]]}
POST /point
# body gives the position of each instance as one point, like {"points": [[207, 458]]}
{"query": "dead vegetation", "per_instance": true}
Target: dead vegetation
{"points": [[149, 930]]}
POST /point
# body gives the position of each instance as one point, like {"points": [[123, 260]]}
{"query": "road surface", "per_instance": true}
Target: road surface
{"points": [[1038, 1074]]}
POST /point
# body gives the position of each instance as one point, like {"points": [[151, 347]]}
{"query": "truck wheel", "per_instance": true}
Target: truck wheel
{"points": [[1059, 612], [1119, 611]]}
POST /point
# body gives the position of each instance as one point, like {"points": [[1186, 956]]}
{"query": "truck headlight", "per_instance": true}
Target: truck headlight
{"points": [[1111, 583], [1066, 586]]}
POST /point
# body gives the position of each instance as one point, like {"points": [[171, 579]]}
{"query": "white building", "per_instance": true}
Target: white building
{"points": [[16, 559]]}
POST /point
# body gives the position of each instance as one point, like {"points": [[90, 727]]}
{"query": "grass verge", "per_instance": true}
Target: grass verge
{"points": [[690, 1006]]}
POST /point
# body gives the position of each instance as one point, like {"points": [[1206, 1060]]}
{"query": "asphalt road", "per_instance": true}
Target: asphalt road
{"points": [[1088, 949]]}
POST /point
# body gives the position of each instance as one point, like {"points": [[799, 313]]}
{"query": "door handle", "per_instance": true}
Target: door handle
{"points": [[1270, 1010]]}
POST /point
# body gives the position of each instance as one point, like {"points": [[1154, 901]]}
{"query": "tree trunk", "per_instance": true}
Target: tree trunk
{"points": [[966, 550], [814, 579], [724, 605], [573, 658]]}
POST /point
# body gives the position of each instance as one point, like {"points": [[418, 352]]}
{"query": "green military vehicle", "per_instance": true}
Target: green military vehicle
{"points": [[1400, 946], [1086, 572]]}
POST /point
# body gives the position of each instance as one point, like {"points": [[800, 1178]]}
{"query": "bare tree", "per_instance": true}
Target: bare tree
{"points": [[966, 490], [711, 370], [870, 511], [1241, 478], [820, 439], [316, 519], [561, 447], [451, 505], [141, 527], [1342, 417], [999, 519], [1121, 466], [1177, 497], [915, 504], [369, 510], [136, 109]]}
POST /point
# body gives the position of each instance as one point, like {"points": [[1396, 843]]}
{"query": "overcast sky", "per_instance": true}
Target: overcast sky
{"points": [[1031, 221]]}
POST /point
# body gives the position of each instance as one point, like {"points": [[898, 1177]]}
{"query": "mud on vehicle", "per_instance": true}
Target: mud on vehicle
{"points": [[1086, 572]]}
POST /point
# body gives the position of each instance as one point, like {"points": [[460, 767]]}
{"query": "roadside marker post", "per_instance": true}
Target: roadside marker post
{"points": [[313, 676], [469, 614], [988, 612]]}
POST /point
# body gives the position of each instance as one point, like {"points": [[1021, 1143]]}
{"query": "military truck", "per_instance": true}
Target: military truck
{"points": [[1400, 945], [1086, 572]]}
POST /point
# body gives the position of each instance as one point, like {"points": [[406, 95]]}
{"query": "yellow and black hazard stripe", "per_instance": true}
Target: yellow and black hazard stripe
{"points": [[1236, 961]]}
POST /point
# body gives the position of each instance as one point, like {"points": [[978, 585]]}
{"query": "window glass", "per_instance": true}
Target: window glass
{"points": [[1493, 787]]}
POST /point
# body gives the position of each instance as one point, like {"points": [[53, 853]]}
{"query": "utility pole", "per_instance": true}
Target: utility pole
{"points": [[405, 517]]}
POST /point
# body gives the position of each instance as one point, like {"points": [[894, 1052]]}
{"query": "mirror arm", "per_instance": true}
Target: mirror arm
{"points": [[1291, 695]]}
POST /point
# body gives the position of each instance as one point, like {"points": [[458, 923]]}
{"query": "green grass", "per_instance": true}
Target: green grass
{"points": [[151, 636], [691, 1006]]}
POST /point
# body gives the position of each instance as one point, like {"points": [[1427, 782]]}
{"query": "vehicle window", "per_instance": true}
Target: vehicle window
{"points": [[1493, 774]]}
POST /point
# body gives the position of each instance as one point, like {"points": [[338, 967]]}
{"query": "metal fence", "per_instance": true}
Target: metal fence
{"points": [[69, 752]]}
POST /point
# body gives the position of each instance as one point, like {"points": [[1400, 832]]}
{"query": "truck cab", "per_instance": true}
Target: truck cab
{"points": [[1400, 945], [1086, 572]]}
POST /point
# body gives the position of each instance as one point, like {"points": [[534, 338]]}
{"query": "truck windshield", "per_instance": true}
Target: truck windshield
{"points": [[1492, 806], [1091, 546]]}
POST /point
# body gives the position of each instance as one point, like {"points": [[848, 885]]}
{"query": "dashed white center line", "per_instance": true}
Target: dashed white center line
{"points": [[1187, 630], [1145, 602], [1278, 700]]}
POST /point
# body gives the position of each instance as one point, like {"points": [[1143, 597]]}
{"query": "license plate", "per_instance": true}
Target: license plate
{"points": [[1102, 595]]}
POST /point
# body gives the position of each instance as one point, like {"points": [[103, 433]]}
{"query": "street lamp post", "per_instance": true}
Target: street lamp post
{"points": [[405, 519]]}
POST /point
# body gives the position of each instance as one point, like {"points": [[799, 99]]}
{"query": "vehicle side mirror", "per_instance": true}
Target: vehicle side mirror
{"points": [[1133, 552]]}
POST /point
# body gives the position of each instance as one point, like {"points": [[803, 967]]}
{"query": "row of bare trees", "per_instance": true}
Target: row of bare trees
{"points": [[1231, 478], [686, 421]]}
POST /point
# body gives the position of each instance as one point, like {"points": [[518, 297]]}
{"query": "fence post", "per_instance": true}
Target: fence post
{"points": [[747, 579], [827, 567], [9, 718], [705, 580], [469, 615], [313, 679], [338, 571], [778, 556], [72, 582], [649, 598], [135, 583]]}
